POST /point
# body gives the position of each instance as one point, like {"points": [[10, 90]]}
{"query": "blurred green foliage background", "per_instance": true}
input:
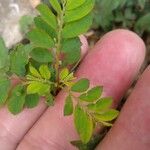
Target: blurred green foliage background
{"points": [[130, 14]]}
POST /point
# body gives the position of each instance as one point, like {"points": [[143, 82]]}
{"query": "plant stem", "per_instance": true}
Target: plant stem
{"points": [[59, 38]]}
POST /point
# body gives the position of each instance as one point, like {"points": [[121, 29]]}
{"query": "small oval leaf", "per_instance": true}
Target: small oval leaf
{"points": [[76, 28], [47, 15], [68, 108], [83, 123], [45, 72], [32, 100], [81, 86], [17, 100], [39, 38], [92, 95], [79, 12]]}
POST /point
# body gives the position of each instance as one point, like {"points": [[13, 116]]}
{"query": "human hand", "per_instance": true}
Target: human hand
{"points": [[114, 62]]}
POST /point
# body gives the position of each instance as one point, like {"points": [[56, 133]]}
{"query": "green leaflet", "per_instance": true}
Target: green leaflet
{"points": [[47, 15], [72, 50], [143, 24], [49, 100], [17, 100], [43, 25], [72, 5], [36, 87], [80, 86], [4, 88], [92, 95], [76, 28], [40, 38], [3, 54], [107, 116], [18, 60], [26, 22], [79, 12], [45, 72], [32, 100], [101, 105], [83, 123], [55, 4], [41, 55], [68, 108], [63, 73], [34, 72]]}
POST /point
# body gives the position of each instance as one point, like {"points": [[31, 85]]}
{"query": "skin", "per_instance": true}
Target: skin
{"points": [[114, 63]]}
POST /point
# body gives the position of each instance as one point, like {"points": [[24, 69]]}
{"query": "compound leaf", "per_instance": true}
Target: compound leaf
{"points": [[76, 28], [32, 100], [80, 86], [45, 72], [92, 95], [79, 12], [47, 15], [17, 100], [4, 88], [40, 38], [83, 124], [41, 55], [68, 108], [72, 5]]}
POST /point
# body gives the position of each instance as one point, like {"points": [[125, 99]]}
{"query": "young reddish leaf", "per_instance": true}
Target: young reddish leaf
{"points": [[83, 123], [68, 108], [32, 100], [92, 95], [81, 86]]}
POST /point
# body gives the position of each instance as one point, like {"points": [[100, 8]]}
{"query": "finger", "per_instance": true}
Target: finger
{"points": [[13, 128], [113, 63], [132, 129]]}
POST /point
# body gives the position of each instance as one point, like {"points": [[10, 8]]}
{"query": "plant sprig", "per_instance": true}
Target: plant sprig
{"points": [[42, 67]]}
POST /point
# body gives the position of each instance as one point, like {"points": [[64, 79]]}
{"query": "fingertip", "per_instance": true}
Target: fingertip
{"points": [[85, 46]]}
